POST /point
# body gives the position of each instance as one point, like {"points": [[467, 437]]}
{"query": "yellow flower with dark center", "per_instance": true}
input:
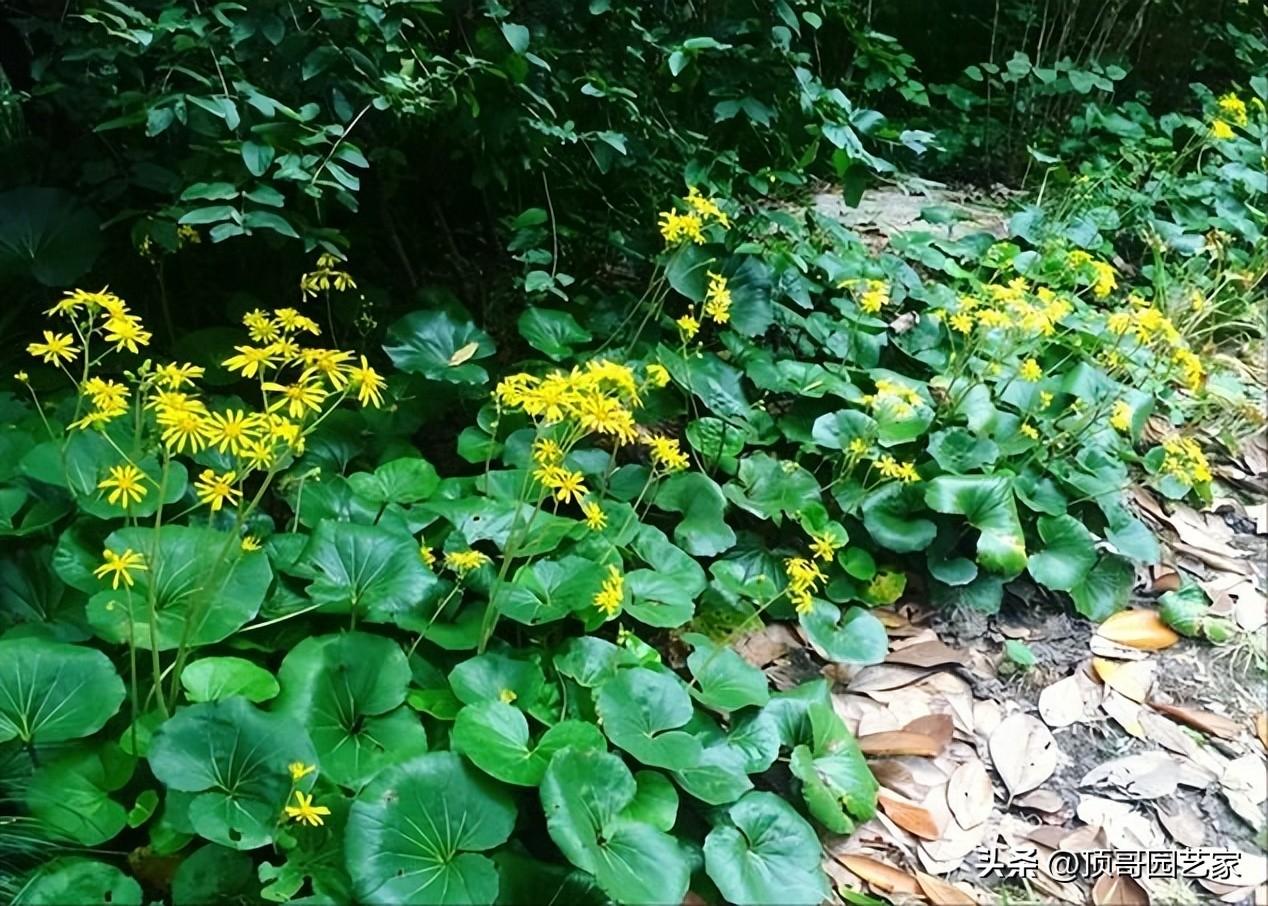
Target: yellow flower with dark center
{"points": [[56, 348], [126, 332], [126, 484], [297, 399], [717, 299], [611, 594], [231, 431], [463, 562], [120, 567], [1030, 371], [217, 490], [667, 454], [298, 770], [305, 812], [369, 384], [595, 517], [251, 360]]}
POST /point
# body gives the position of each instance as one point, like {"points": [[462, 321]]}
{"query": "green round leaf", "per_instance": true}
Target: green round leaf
{"points": [[348, 690], [655, 802], [205, 587], [887, 516], [233, 758], [726, 681], [585, 795], [641, 709], [961, 451], [718, 776], [547, 590], [702, 530], [402, 481], [590, 661], [769, 487], [47, 235], [987, 503], [214, 874], [220, 677], [52, 692], [82, 882], [415, 834], [1069, 555], [439, 347], [1106, 589], [855, 637], [494, 735], [551, 331], [70, 797], [491, 676], [766, 854]]}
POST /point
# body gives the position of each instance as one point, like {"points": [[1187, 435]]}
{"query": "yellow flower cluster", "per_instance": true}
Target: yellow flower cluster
{"points": [[1030, 371], [1151, 327], [1121, 417], [1234, 109], [717, 299], [611, 594], [675, 227], [688, 326], [1103, 278], [899, 399], [824, 546], [596, 519], [1029, 430], [667, 454], [463, 562], [891, 468], [325, 277], [1011, 306], [804, 577], [1183, 458]]}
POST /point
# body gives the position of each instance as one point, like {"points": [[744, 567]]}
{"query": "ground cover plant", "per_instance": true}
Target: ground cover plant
{"points": [[338, 590]]}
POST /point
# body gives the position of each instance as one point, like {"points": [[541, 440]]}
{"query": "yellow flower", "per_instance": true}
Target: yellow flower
{"points": [[892, 468], [657, 375], [566, 484], [289, 319], [329, 363], [824, 547], [231, 431], [427, 554], [1045, 398], [874, 296], [1221, 130], [125, 332], [1234, 108], [184, 429], [296, 399], [1030, 431], [174, 377], [546, 452], [705, 207], [1184, 459], [595, 517], [216, 490], [1105, 280], [120, 566], [803, 578], [961, 322], [688, 326], [858, 447], [1190, 366], [369, 384], [106, 394], [717, 299], [463, 562], [125, 485], [21, 377], [305, 812], [1121, 417], [612, 593], [251, 360], [56, 348], [667, 454], [98, 417], [250, 544], [1030, 371], [675, 227], [299, 770]]}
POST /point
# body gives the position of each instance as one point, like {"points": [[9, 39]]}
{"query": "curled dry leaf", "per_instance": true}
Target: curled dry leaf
{"points": [[1118, 890], [768, 643], [970, 796], [899, 742], [926, 654], [879, 874], [910, 817], [942, 893], [1138, 629], [1023, 752], [1126, 713], [1131, 679], [1202, 721], [1103, 647]]}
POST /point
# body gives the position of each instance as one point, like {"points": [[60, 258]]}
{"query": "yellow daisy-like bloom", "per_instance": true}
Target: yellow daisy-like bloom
{"points": [[804, 577], [1045, 398], [1184, 459], [260, 327], [305, 812], [596, 519], [298, 770], [1030, 371], [120, 567], [184, 429], [688, 326], [606, 416], [566, 485], [874, 296], [296, 399], [546, 452], [174, 377], [857, 447], [98, 417], [611, 594], [369, 384], [1105, 281], [667, 454], [126, 332], [217, 490], [288, 319], [125, 484], [427, 555], [1221, 131], [231, 431], [463, 562], [706, 207], [258, 454], [824, 547], [251, 360], [56, 348], [1121, 417], [657, 374], [106, 394], [1234, 108], [250, 544], [330, 364], [675, 227], [717, 299], [893, 469], [1029, 430], [961, 322]]}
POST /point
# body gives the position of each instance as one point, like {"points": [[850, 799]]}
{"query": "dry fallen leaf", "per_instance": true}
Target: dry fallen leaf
{"points": [[1182, 822], [879, 874], [883, 677], [1203, 721], [970, 796], [1041, 801], [1149, 775], [1118, 890], [1125, 712], [1103, 647], [938, 727], [899, 742], [768, 643], [1023, 752], [941, 893], [1061, 703], [926, 654], [1124, 826], [1138, 629], [1261, 727], [911, 818], [1132, 679], [1171, 737], [466, 352]]}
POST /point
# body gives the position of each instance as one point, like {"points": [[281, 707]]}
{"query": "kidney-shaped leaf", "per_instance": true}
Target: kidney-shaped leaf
{"points": [[51, 692], [551, 331], [726, 680], [988, 504], [1069, 555], [220, 677], [855, 637], [439, 347], [641, 709], [494, 735], [416, 833], [767, 853], [80, 881]]}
